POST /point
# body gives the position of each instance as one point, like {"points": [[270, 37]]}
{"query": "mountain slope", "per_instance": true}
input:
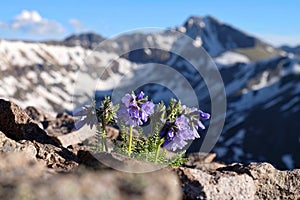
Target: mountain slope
{"points": [[294, 50], [261, 82]]}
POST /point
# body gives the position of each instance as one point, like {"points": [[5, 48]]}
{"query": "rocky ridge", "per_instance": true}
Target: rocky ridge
{"points": [[34, 165]]}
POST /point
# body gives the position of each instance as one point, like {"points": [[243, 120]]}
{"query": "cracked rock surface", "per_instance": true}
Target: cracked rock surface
{"points": [[35, 165]]}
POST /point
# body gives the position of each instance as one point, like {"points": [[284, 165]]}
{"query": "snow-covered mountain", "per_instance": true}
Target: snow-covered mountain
{"points": [[294, 51], [261, 81]]}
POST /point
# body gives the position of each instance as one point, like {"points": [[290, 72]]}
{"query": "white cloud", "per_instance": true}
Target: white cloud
{"points": [[278, 40], [77, 25], [32, 22]]}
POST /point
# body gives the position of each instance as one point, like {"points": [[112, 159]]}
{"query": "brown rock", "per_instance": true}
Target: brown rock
{"points": [[275, 184], [116, 161], [203, 161], [37, 114], [54, 126], [52, 156], [16, 124], [22, 176], [61, 125], [18, 166], [160, 185], [56, 157], [9, 145]]}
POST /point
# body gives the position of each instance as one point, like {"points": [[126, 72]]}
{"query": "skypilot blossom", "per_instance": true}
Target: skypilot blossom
{"points": [[176, 134], [184, 128], [203, 115], [136, 109]]}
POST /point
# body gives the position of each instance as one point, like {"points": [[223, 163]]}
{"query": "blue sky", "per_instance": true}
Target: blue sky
{"points": [[276, 21]]}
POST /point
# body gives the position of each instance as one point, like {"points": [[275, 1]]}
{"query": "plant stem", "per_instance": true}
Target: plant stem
{"points": [[160, 142], [104, 145], [130, 140]]}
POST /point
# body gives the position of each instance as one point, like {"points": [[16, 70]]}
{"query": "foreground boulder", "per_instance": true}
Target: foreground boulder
{"points": [[55, 126], [16, 124], [237, 181], [34, 166]]}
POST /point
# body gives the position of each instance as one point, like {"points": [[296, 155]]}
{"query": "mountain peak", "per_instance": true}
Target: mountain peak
{"points": [[217, 37], [194, 19]]}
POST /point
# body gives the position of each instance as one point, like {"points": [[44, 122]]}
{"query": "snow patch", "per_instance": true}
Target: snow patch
{"points": [[229, 58], [197, 42]]}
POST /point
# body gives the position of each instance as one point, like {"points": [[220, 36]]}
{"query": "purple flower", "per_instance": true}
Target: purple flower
{"points": [[140, 95], [204, 115], [129, 99], [87, 116], [136, 110], [182, 122], [147, 109], [177, 143], [183, 131]]}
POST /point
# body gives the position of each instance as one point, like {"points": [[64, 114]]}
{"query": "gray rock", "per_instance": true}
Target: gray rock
{"points": [[236, 181], [198, 184]]}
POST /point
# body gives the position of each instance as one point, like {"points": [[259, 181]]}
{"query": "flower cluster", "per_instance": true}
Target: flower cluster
{"points": [[181, 125], [136, 109], [172, 126]]}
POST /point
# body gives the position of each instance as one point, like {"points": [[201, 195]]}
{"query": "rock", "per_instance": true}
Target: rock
{"points": [[198, 184], [54, 126], [56, 157], [24, 175], [161, 185], [63, 129], [37, 114], [19, 162], [203, 161], [61, 125], [35, 165], [17, 166], [85, 134], [275, 184], [236, 181], [16, 124], [89, 161], [117, 161], [9, 145], [52, 156]]}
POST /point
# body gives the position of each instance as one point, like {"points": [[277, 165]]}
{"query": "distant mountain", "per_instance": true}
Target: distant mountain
{"points": [[214, 36], [295, 50], [261, 81], [218, 37], [222, 41], [86, 40]]}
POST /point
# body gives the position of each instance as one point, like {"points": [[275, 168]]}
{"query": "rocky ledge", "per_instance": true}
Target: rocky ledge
{"points": [[35, 164]]}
